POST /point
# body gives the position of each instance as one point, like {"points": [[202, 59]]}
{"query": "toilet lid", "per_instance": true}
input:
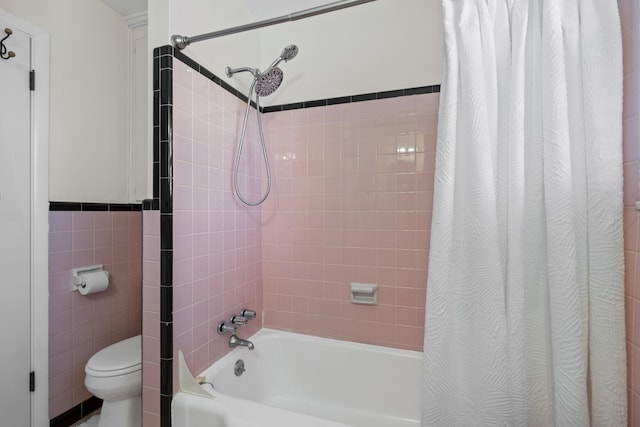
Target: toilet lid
{"points": [[117, 359]]}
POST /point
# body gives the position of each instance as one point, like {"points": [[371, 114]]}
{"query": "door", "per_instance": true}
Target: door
{"points": [[15, 230]]}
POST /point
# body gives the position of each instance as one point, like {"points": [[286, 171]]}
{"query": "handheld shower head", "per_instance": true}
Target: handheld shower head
{"points": [[264, 84], [289, 52]]}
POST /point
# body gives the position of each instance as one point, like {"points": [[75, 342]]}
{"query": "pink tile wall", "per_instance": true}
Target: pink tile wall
{"points": [[630, 22], [216, 240], [80, 325], [352, 201], [151, 318]]}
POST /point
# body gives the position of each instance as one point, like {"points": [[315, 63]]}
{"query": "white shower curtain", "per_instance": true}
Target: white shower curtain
{"points": [[525, 301]]}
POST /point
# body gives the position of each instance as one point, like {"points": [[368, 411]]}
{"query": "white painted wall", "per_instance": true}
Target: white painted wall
{"points": [[140, 121], [88, 122], [194, 17], [374, 47], [378, 46], [158, 27]]}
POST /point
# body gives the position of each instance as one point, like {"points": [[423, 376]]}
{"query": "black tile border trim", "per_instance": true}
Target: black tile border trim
{"points": [[163, 185], [82, 206], [206, 73], [163, 202], [355, 98], [151, 205], [76, 413], [419, 90]]}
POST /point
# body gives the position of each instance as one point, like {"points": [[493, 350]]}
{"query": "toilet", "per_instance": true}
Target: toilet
{"points": [[114, 374]]}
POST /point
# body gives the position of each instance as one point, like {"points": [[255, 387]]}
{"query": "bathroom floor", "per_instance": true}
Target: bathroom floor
{"points": [[90, 420]]}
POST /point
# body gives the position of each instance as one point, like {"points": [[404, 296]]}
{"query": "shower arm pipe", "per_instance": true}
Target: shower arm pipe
{"points": [[181, 42]]}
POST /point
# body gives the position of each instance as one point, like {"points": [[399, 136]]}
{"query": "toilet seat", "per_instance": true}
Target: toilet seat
{"points": [[121, 358]]}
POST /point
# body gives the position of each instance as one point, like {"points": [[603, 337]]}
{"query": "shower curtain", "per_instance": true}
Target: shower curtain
{"points": [[525, 316]]}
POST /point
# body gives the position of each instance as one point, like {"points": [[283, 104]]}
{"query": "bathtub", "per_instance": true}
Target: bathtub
{"points": [[299, 380]]}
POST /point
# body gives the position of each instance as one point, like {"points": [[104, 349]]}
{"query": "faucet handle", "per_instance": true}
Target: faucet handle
{"points": [[224, 328], [248, 314], [238, 320]]}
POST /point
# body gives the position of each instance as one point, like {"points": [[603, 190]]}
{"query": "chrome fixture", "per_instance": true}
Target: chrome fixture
{"points": [[264, 84], [238, 367], [234, 341], [249, 314], [267, 82], [231, 326], [226, 328], [181, 42], [289, 52], [239, 320]]}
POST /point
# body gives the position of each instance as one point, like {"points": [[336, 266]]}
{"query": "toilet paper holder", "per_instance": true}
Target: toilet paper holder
{"points": [[76, 275]]}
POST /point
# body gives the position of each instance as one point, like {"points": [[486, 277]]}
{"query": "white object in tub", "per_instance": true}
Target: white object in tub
{"points": [[300, 380]]}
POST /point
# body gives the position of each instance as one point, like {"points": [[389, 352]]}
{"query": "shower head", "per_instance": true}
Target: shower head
{"points": [[288, 53], [269, 81]]}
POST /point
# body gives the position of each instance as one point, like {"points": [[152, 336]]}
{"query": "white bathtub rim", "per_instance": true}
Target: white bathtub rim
{"points": [[243, 413], [277, 333]]}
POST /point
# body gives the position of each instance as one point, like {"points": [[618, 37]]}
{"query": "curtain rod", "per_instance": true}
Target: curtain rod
{"points": [[181, 42]]}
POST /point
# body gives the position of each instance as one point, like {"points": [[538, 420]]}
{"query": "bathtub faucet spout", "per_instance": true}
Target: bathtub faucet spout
{"points": [[234, 341]]}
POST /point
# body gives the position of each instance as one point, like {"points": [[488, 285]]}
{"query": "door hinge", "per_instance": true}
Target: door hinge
{"points": [[32, 381], [32, 80]]}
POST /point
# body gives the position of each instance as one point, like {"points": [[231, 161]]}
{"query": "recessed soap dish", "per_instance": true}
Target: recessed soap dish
{"points": [[364, 293]]}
